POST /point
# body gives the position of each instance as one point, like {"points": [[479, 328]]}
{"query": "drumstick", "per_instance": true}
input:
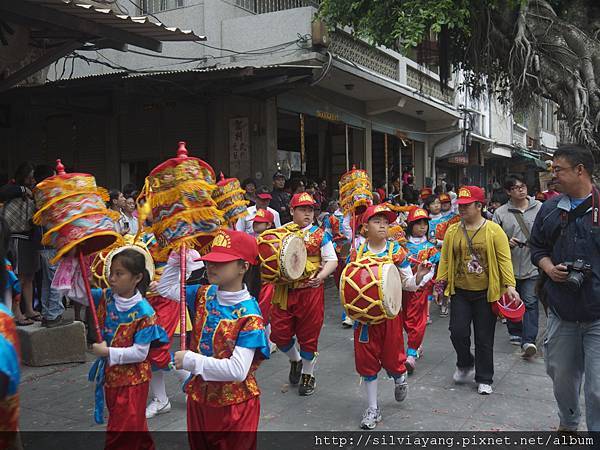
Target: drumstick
{"points": [[88, 291], [417, 262], [182, 304]]}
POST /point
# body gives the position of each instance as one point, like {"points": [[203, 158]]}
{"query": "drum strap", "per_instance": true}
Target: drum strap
{"points": [[363, 335]]}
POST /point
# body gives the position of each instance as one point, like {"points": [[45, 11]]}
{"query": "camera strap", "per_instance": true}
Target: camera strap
{"points": [[593, 202]]}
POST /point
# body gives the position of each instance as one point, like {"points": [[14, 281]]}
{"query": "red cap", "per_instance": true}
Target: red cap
{"points": [[425, 192], [264, 216], [264, 196], [382, 209], [302, 199], [445, 198], [417, 214], [507, 309], [470, 194], [229, 245]]}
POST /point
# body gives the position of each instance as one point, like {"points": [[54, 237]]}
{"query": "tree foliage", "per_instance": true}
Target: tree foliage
{"points": [[520, 50]]}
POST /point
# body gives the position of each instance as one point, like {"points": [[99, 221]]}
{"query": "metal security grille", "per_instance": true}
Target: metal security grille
{"points": [[267, 6], [155, 6]]}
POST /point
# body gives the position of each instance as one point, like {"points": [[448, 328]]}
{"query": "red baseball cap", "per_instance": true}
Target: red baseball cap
{"points": [[470, 194], [506, 308], [302, 199], [375, 210], [417, 214], [425, 192], [229, 245], [264, 196], [264, 216], [445, 198]]}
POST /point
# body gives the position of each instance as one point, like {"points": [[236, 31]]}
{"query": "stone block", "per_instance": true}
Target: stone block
{"points": [[42, 346]]}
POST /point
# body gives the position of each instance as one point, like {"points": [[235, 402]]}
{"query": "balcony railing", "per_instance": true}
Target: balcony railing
{"points": [[267, 6], [363, 54], [427, 85]]}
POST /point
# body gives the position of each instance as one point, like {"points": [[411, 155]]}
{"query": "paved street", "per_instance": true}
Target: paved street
{"points": [[60, 397]]}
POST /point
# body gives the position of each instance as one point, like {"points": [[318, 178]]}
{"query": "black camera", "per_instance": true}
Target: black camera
{"points": [[578, 272]]}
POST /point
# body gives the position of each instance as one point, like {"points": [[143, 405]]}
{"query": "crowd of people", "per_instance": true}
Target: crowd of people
{"points": [[470, 256]]}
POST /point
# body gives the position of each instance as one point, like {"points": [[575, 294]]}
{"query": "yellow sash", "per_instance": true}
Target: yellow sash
{"points": [[313, 263]]}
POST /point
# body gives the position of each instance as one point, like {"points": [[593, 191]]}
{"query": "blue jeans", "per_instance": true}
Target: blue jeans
{"points": [[527, 330], [572, 351], [52, 305]]}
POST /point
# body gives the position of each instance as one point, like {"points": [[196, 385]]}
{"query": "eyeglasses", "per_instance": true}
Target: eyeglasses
{"points": [[519, 187]]}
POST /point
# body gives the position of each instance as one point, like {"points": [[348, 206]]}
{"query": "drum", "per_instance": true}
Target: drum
{"points": [[371, 290], [282, 255], [73, 211]]}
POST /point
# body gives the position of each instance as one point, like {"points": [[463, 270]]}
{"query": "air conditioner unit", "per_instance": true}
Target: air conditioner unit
{"points": [[320, 34]]}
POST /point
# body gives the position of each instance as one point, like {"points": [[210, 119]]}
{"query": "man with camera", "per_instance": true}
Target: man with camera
{"points": [[516, 219], [565, 245]]}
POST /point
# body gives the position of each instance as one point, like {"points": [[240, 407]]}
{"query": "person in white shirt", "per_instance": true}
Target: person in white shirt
{"points": [[263, 197]]}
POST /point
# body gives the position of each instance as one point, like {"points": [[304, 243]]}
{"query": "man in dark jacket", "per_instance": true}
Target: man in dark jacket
{"points": [[280, 201], [564, 232]]}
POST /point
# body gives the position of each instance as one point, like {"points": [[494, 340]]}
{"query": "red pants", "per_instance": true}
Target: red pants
{"points": [[337, 274], [167, 313], [223, 428], [264, 300], [303, 319], [414, 315], [384, 348], [127, 427]]}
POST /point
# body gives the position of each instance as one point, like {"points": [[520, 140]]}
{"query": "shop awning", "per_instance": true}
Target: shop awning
{"points": [[531, 156], [44, 31]]}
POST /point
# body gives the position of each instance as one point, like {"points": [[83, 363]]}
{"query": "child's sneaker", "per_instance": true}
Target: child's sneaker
{"points": [[400, 388], [370, 419]]}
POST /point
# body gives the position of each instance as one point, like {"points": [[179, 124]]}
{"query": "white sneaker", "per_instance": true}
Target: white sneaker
{"points": [[529, 350], [370, 419], [272, 347], [347, 322], [484, 389], [462, 376], [156, 407]]}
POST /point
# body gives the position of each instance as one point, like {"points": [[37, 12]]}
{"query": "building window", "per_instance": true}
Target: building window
{"points": [[156, 6], [548, 115]]}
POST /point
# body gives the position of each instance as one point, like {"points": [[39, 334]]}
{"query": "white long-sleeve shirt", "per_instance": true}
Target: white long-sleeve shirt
{"points": [[245, 223], [168, 285], [137, 352], [236, 367]]}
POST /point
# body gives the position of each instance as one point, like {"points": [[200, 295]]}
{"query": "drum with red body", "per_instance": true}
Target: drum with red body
{"points": [[371, 290], [282, 256]]}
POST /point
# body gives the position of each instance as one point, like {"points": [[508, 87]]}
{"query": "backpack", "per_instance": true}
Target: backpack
{"points": [[17, 214]]}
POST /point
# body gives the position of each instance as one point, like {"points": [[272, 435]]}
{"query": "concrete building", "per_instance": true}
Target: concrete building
{"points": [[271, 89]]}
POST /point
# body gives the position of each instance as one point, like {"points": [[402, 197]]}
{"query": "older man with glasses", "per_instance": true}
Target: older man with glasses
{"points": [[565, 245], [516, 219]]}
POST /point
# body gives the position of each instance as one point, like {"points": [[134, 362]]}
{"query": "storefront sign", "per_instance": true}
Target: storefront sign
{"points": [[331, 117], [461, 160], [239, 142]]}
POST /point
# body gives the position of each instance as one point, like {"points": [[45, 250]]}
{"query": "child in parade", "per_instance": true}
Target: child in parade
{"points": [[382, 345], [298, 309], [227, 345], [415, 305], [336, 225], [10, 373], [446, 202], [263, 221], [167, 314], [129, 327], [433, 206]]}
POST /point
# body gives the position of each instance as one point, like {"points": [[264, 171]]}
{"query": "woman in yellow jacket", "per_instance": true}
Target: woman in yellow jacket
{"points": [[475, 270]]}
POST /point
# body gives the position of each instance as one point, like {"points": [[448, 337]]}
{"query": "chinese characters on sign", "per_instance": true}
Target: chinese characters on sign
{"points": [[238, 139]]}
